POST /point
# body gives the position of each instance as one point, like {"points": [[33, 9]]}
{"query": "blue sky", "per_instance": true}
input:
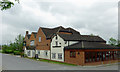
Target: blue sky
{"points": [[99, 17]]}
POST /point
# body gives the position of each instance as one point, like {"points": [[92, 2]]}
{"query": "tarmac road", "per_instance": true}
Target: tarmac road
{"points": [[10, 62]]}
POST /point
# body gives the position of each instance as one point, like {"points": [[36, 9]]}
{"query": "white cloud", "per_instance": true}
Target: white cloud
{"points": [[87, 16]]}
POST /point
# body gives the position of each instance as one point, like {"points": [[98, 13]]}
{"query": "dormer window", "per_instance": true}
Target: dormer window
{"points": [[32, 42], [39, 39]]}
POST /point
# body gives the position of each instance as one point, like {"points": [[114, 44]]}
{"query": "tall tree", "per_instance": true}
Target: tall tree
{"points": [[19, 42], [113, 41]]}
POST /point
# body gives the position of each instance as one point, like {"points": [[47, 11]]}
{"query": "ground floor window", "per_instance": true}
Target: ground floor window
{"points": [[28, 53], [39, 52], [46, 53], [100, 56], [53, 55], [72, 54], [59, 55]]}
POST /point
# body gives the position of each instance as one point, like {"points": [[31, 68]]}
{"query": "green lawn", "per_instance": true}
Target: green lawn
{"points": [[0, 51], [53, 62]]}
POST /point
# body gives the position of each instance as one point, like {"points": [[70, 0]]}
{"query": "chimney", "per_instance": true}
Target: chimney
{"points": [[27, 32]]}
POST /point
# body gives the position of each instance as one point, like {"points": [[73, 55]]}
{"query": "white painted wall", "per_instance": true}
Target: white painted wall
{"points": [[70, 43], [43, 54], [32, 53], [59, 49]]}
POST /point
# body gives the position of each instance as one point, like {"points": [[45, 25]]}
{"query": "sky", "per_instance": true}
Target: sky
{"points": [[98, 17]]}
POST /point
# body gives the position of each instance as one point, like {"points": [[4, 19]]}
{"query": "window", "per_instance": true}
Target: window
{"points": [[56, 37], [53, 55], [28, 53], [59, 55], [72, 54], [56, 43], [65, 42], [38, 52], [32, 42], [46, 53], [39, 39]]}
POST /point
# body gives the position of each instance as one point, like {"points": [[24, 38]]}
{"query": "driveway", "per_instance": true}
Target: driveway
{"points": [[10, 62]]}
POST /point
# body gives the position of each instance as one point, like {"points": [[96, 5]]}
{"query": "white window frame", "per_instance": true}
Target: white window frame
{"points": [[39, 39], [59, 55], [46, 53], [38, 52], [53, 55], [29, 53], [32, 42]]}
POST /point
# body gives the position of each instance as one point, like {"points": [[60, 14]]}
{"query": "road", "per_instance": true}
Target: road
{"points": [[10, 62]]}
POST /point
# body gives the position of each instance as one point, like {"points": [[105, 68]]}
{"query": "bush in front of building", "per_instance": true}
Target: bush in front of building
{"points": [[9, 51], [16, 52]]}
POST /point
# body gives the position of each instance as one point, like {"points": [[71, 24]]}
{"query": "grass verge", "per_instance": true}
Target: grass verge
{"points": [[0, 51], [53, 62]]}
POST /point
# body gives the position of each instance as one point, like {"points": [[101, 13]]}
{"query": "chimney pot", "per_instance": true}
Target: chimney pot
{"points": [[27, 32]]}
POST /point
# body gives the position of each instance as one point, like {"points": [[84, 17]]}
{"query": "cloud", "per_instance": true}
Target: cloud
{"points": [[96, 16]]}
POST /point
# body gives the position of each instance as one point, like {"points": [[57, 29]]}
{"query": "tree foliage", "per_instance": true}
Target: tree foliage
{"points": [[6, 4], [113, 41], [17, 46]]}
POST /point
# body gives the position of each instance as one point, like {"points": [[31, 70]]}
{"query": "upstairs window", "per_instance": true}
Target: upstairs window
{"points": [[56, 37], [39, 39], [72, 54], [32, 42], [65, 42], [56, 43]]}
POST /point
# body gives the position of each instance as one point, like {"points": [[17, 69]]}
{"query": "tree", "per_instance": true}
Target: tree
{"points": [[113, 41], [92, 34], [16, 47], [19, 42], [6, 4], [118, 43]]}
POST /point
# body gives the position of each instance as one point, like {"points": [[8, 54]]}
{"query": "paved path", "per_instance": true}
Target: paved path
{"points": [[10, 62]]}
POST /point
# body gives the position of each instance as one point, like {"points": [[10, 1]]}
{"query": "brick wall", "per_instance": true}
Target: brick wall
{"points": [[32, 37], [27, 40], [78, 60], [44, 44]]}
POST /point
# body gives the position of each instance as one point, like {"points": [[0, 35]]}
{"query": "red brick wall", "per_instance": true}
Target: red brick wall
{"points": [[44, 44], [78, 60], [27, 40], [32, 37]]}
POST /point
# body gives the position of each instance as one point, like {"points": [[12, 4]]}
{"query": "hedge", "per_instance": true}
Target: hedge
{"points": [[17, 52], [8, 51]]}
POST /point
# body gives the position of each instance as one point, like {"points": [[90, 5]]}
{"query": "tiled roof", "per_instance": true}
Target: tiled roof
{"points": [[77, 37], [30, 47], [49, 32], [35, 33], [28, 35], [91, 45]]}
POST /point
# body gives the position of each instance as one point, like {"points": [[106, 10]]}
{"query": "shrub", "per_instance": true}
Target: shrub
{"points": [[16, 52], [8, 51]]}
